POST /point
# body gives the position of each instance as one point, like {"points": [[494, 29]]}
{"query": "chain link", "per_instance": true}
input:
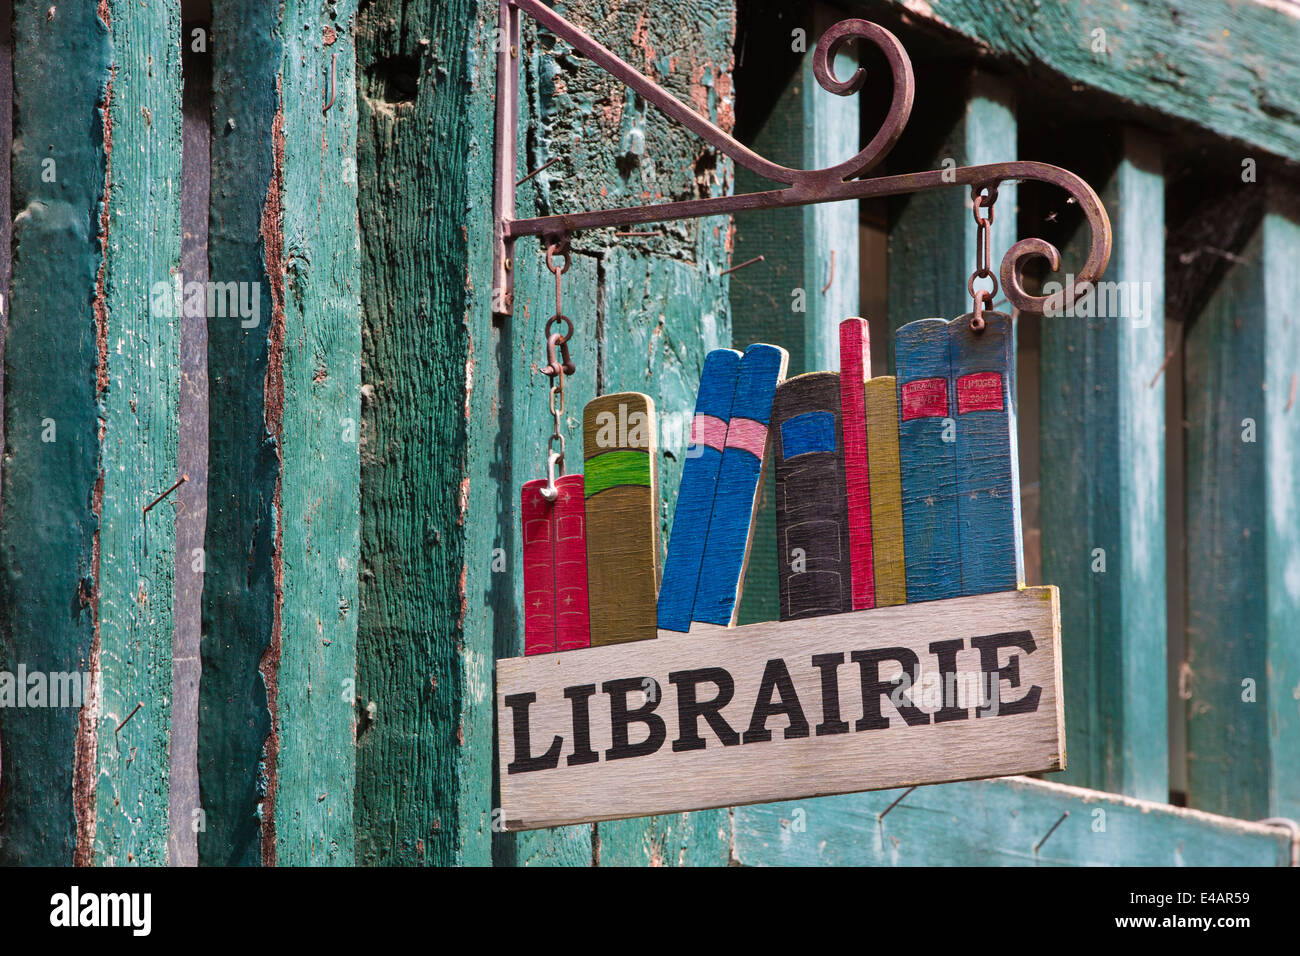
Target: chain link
{"points": [[983, 198], [558, 366]]}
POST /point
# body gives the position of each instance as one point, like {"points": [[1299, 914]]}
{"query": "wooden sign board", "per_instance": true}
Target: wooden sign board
{"points": [[783, 710]]}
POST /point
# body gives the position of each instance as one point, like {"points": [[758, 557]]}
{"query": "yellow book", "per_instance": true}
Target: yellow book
{"points": [[886, 491]]}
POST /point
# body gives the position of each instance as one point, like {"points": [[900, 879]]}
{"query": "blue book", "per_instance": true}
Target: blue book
{"points": [[988, 480], [726, 550], [698, 487], [927, 453]]}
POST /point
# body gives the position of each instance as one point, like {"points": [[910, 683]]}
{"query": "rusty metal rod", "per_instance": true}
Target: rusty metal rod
{"points": [[804, 187]]}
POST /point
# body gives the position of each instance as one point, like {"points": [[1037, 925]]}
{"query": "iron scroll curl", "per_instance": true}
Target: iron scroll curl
{"points": [[802, 187]]}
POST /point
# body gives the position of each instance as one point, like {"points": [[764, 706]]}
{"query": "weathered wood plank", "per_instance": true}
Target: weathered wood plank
{"points": [[1243, 548], [661, 304], [53, 379], [726, 716], [317, 561], [6, 197], [702, 838], [234, 720], [140, 375], [285, 408], [798, 295], [425, 365], [527, 392], [999, 823], [192, 450], [1226, 68], [960, 118], [1102, 447]]}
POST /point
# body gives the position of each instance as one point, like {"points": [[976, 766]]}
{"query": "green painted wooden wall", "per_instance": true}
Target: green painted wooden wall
{"points": [[278, 701], [1016, 821], [646, 310], [370, 429], [413, 167], [1102, 446], [1243, 559], [91, 396]]}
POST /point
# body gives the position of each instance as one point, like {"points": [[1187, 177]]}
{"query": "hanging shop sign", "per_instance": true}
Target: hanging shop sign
{"points": [[908, 649]]}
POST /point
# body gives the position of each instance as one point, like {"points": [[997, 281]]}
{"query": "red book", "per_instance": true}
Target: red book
{"points": [[555, 567], [572, 622]]}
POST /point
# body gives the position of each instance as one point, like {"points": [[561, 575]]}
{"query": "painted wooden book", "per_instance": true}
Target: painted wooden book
{"points": [[988, 486], [887, 557], [555, 567], [855, 368], [622, 503], [811, 509], [726, 549], [699, 485], [927, 452]]}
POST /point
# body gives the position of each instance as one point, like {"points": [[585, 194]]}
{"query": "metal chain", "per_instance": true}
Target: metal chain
{"points": [[983, 198], [558, 366]]}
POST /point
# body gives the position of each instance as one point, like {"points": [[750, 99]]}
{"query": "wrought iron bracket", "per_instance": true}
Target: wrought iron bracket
{"points": [[801, 186]]}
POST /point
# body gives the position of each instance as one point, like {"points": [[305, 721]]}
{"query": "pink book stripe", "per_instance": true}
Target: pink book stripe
{"points": [[709, 430], [747, 435], [855, 363]]}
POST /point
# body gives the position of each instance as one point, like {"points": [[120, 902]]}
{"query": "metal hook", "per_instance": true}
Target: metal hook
{"points": [[549, 491]]}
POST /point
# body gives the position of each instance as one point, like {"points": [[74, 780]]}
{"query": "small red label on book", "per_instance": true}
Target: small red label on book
{"points": [[925, 398], [979, 392]]}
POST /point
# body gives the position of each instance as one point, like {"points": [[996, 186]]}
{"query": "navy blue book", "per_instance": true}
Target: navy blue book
{"points": [[812, 517]]}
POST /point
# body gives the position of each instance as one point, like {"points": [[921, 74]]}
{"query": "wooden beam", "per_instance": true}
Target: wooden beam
{"points": [[91, 407], [807, 282], [50, 391], [419, 372], [1243, 548], [961, 118], [1227, 69], [1014, 821], [646, 308], [1101, 436], [140, 394], [277, 699], [234, 721], [530, 390], [6, 196], [192, 451]]}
